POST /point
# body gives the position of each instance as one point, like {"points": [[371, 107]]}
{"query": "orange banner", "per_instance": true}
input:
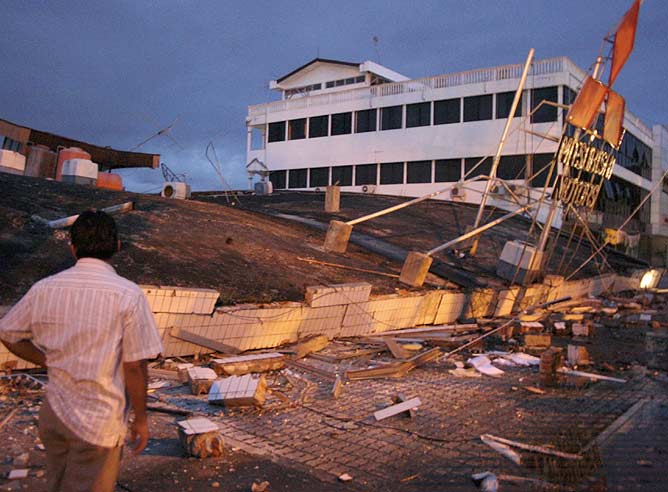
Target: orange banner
{"points": [[587, 103], [613, 128], [624, 39]]}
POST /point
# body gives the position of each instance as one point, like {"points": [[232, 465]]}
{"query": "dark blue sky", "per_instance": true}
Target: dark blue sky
{"points": [[115, 72]]}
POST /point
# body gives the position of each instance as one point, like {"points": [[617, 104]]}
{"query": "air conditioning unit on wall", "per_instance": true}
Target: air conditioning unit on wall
{"points": [[369, 189], [176, 190]]}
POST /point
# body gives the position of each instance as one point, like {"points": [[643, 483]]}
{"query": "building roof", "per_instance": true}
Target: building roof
{"points": [[105, 157], [315, 60], [367, 66]]}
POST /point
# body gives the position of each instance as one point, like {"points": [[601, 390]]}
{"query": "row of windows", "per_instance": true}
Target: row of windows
{"points": [[437, 171], [348, 81], [446, 111], [300, 90]]}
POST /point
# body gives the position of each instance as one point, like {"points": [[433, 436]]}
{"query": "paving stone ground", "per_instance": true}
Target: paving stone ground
{"points": [[440, 448]]}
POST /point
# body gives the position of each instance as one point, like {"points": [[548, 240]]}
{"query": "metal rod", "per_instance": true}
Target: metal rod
{"points": [[480, 229], [410, 202], [504, 135]]}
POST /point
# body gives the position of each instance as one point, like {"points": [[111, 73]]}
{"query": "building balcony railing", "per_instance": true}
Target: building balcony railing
{"points": [[504, 72]]}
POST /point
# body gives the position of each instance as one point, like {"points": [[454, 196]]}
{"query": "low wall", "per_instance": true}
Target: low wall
{"points": [[250, 327]]}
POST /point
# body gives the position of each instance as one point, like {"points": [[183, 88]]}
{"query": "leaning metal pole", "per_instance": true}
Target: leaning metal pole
{"points": [[502, 142]]}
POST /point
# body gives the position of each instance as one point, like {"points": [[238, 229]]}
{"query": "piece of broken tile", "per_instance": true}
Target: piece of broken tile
{"points": [[484, 366]]}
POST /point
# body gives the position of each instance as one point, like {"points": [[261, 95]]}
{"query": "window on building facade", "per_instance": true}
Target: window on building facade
{"points": [[512, 167], [477, 108], [390, 117], [635, 155], [366, 174], [341, 123], [546, 112], [569, 98], [343, 175], [418, 172], [470, 165], [365, 121], [277, 179], [447, 170], [276, 132], [297, 129], [418, 114], [297, 178], [318, 176], [540, 168], [392, 173], [302, 90], [10, 144], [318, 126], [447, 111], [504, 101]]}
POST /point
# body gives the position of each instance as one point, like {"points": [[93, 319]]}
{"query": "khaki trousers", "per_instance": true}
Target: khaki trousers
{"points": [[72, 464]]}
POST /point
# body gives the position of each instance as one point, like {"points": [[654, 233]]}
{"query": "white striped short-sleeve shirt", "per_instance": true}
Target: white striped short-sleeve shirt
{"points": [[88, 320]]}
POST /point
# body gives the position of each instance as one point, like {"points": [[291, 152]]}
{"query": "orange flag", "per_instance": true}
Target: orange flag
{"points": [[624, 39], [613, 128], [587, 103]]}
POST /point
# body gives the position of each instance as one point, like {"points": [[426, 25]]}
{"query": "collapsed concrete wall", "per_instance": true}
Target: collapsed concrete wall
{"points": [[342, 311]]}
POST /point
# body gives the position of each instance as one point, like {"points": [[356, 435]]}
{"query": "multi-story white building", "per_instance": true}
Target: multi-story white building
{"points": [[373, 130]]}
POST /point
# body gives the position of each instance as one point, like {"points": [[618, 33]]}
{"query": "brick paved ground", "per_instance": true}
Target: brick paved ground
{"points": [[440, 448]]}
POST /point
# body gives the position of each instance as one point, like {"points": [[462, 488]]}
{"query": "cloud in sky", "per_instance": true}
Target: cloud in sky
{"points": [[114, 73]]}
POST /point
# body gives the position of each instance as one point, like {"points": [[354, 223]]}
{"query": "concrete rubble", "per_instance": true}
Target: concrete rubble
{"points": [[342, 388]]}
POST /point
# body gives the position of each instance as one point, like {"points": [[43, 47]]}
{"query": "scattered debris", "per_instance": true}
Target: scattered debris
{"points": [[590, 375], [483, 364], [486, 481], [550, 362], [344, 477], [502, 449], [397, 350], [201, 379], [310, 345], [237, 391], [200, 437], [68, 221], [203, 341], [245, 364], [531, 447], [18, 474], [402, 407], [260, 487], [578, 355], [337, 388]]}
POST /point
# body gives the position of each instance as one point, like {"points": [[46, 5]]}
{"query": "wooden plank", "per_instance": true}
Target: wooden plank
{"points": [[442, 328], [309, 368], [245, 364], [395, 369], [398, 408], [397, 350], [314, 344], [163, 373], [590, 375], [209, 343]]}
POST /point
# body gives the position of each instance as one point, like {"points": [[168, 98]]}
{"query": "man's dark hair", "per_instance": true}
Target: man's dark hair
{"points": [[94, 235]]}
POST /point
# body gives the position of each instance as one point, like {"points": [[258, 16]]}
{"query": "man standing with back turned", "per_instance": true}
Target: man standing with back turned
{"points": [[93, 331]]}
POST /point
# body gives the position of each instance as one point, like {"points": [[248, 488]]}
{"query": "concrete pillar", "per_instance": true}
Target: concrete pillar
{"points": [[415, 269], [337, 237], [332, 199]]}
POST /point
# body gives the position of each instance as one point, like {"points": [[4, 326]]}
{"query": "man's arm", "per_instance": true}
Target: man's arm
{"points": [[136, 380], [26, 350]]}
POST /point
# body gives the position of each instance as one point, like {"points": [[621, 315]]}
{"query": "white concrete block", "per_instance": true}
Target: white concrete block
{"points": [[336, 295], [163, 299], [451, 308]]}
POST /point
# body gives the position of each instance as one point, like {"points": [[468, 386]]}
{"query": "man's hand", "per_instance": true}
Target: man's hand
{"points": [[136, 377], [139, 435]]}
